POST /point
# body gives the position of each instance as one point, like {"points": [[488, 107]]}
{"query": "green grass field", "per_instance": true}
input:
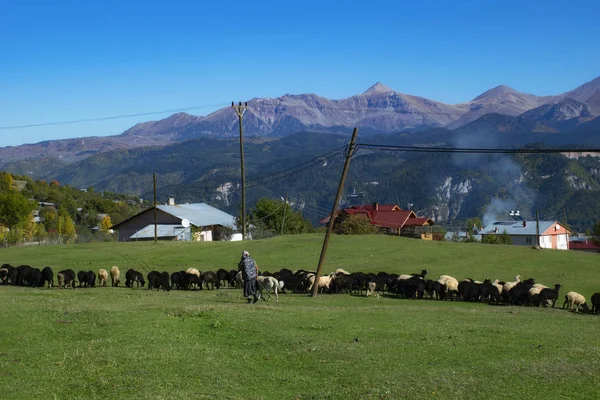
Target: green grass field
{"points": [[134, 343]]}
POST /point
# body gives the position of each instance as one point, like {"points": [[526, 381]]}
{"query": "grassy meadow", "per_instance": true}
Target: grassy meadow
{"points": [[134, 343]]}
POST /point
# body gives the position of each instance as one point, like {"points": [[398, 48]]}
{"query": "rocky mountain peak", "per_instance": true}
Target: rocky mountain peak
{"points": [[378, 88]]}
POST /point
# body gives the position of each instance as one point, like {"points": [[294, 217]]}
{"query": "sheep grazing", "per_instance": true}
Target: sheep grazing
{"points": [[210, 277], [324, 282], [132, 276], [468, 291], [115, 275], [4, 273], [510, 285], [576, 300], [102, 277], [156, 280], [596, 303], [371, 287], [498, 286], [419, 275], [534, 294], [268, 283], [223, 276], [341, 271], [549, 295], [194, 271], [65, 278], [46, 277], [450, 286]]}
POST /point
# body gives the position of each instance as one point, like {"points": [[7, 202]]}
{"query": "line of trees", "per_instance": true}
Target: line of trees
{"points": [[69, 213]]}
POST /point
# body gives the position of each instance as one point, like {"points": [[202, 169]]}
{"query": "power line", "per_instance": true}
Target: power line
{"points": [[78, 121], [425, 149], [317, 158]]}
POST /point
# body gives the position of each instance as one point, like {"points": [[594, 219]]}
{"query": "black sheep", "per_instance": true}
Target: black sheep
{"points": [[90, 279], [489, 292], [47, 277], [549, 295], [5, 273], [81, 278], [468, 291], [157, 280], [132, 276], [66, 277], [189, 280], [22, 272], [177, 279], [223, 276], [33, 277], [596, 303], [212, 278]]}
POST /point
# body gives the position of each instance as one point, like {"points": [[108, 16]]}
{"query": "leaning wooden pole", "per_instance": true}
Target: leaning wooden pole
{"points": [[349, 153]]}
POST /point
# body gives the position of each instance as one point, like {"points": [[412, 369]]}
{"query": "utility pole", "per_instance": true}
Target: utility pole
{"points": [[155, 223], [284, 209], [350, 150], [537, 228], [565, 216], [240, 110]]}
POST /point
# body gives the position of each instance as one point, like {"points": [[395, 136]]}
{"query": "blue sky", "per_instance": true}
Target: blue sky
{"points": [[71, 60]]}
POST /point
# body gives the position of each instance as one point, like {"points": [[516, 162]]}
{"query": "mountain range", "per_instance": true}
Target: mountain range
{"points": [[197, 158], [377, 110]]}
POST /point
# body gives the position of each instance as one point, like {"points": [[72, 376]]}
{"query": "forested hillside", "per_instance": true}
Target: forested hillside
{"points": [[448, 187]]}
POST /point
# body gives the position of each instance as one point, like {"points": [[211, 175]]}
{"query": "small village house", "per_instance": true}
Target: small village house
{"points": [[390, 219], [552, 234], [197, 221]]}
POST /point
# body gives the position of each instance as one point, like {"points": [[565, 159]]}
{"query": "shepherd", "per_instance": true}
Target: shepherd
{"points": [[249, 273]]}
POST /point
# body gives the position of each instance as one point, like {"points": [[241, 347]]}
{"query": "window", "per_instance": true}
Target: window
{"points": [[528, 239]]}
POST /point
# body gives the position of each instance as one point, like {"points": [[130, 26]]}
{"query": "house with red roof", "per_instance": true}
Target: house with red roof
{"points": [[390, 219]]}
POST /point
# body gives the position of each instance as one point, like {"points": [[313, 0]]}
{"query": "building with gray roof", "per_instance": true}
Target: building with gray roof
{"points": [[197, 221], [552, 234]]}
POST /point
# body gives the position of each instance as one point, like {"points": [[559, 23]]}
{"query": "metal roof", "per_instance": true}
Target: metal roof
{"points": [[162, 231], [517, 228], [199, 214]]}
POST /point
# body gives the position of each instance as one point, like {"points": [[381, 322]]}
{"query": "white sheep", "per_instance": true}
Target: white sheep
{"points": [[324, 282], [268, 283], [371, 286], [115, 274], [575, 299], [450, 284], [535, 291], [341, 271], [102, 277], [498, 286], [510, 285], [193, 271]]}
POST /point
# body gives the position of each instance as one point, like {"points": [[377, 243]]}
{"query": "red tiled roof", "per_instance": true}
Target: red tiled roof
{"points": [[386, 216], [419, 221]]}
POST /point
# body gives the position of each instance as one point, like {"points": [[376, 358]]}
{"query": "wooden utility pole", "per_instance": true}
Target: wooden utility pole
{"points": [[349, 153], [565, 216], [155, 218], [240, 110], [537, 228], [284, 209]]}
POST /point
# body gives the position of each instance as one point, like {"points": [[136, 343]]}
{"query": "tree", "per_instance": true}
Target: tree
{"points": [[596, 234], [6, 181], [356, 225], [66, 228], [269, 214], [106, 223], [15, 209]]}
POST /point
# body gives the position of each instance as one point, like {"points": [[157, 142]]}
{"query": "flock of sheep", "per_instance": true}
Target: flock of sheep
{"points": [[517, 292]]}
